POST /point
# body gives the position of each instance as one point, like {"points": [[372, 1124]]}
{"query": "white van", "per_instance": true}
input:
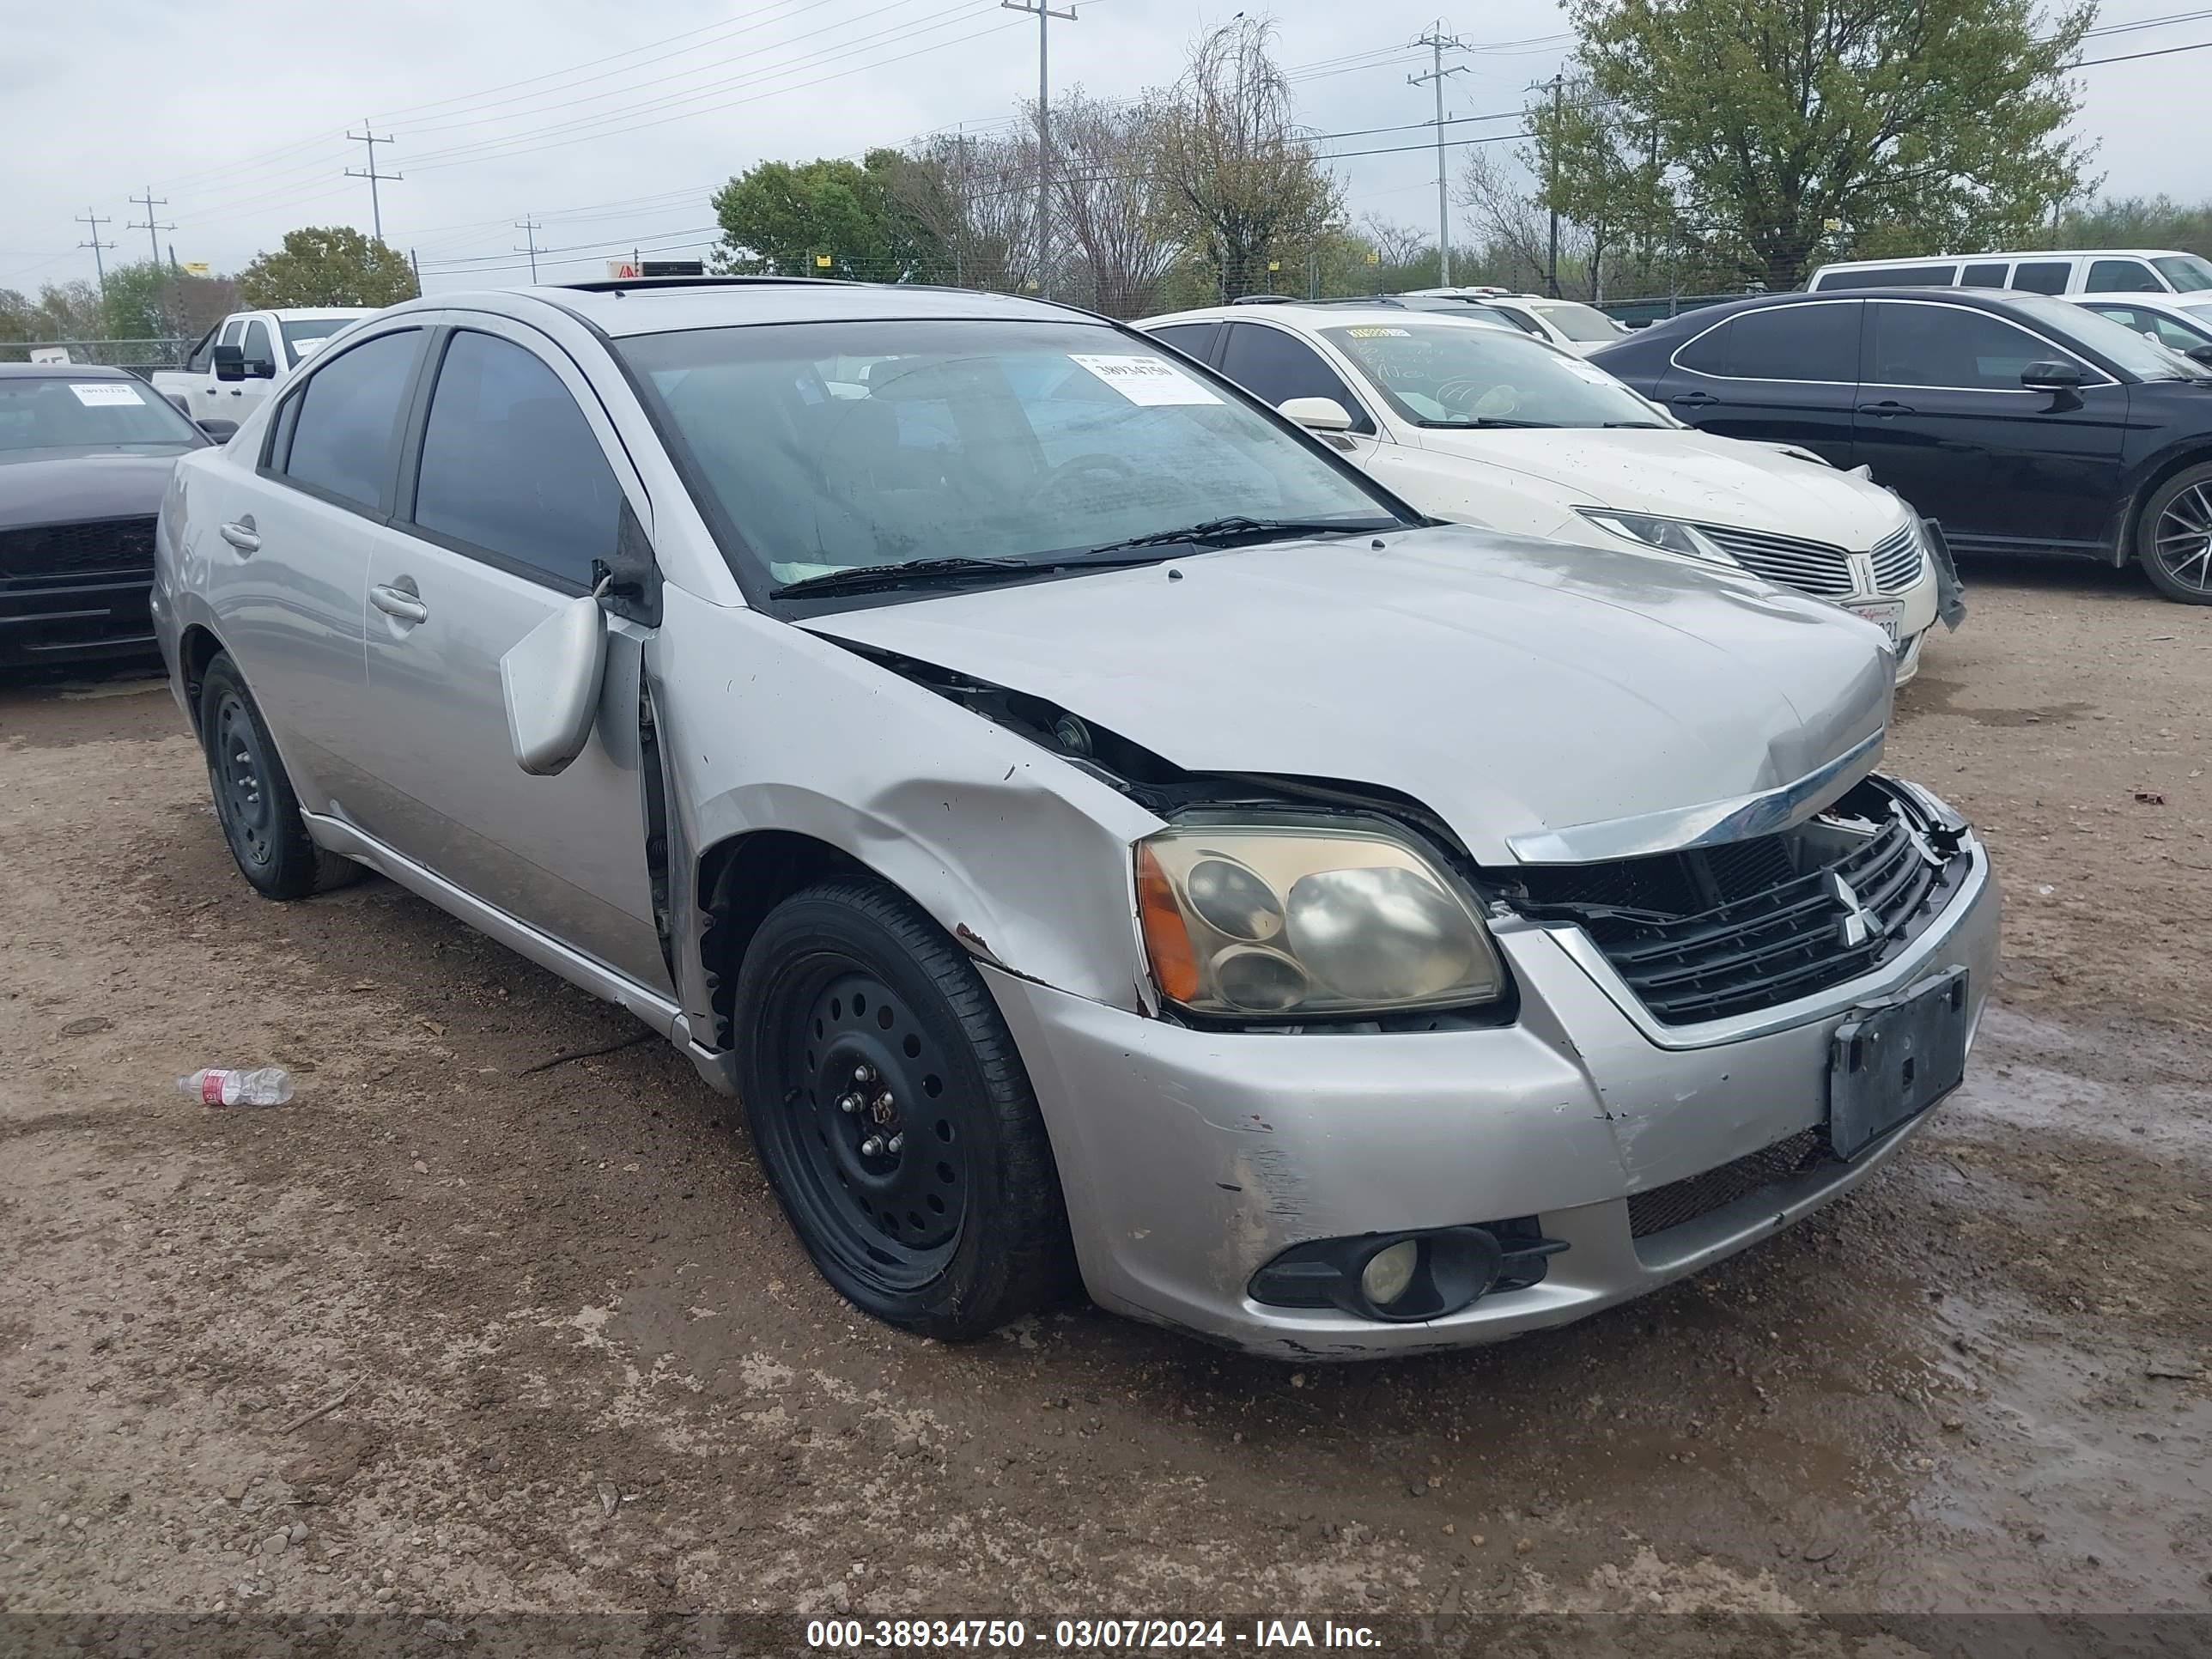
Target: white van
{"points": [[2090, 271]]}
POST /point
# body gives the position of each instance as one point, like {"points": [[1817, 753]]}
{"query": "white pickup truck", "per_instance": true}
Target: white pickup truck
{"points": [[244, 357]]}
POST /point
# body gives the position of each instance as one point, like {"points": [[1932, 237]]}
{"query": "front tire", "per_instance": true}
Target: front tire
{"points": [[254, 799], [2173, 535], [893, 1117]]}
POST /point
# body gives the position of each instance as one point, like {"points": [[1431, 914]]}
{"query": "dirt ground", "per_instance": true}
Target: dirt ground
{"points": [[568, 1356]]}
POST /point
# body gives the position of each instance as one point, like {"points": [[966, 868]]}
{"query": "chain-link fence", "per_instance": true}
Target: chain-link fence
{"points": [[159, 351]]}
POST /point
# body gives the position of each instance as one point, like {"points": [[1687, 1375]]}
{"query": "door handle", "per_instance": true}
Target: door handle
{"points": [[400, 603], [1886, 408], [242, 536], [1694, 400]]}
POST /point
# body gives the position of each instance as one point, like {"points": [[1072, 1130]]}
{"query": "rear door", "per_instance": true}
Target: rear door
{"points": [[290, 551], [1782, 373], [517, 484], [1943, 420]]}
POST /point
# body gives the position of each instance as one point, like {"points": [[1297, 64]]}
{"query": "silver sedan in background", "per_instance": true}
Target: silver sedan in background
{"points": [[1093, 828]]}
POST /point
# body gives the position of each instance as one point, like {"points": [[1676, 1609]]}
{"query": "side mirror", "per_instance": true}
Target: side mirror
{"points": [[2200, 354], [2050, 377], [177, 401], [1316, 414], [230, 362], [221, 431], [551, 682]]}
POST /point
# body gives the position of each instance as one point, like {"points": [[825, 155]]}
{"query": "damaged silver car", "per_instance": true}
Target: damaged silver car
{"points": [[1094, 830]]}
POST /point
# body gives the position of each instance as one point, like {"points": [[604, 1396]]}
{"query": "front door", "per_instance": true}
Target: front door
{"points": [[513, 496], [1943, 420]]}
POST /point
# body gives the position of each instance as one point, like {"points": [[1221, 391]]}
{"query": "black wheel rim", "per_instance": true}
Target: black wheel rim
{"points": [[241, 783], [2184, 538], [864, 1136]]}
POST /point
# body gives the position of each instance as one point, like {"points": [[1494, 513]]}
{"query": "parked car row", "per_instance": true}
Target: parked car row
{"points": [[1484, 425], [1097, 824], [2024, 424]]}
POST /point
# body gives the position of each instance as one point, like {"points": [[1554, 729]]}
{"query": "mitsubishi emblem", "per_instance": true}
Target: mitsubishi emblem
{"points": [[1858, 924]]}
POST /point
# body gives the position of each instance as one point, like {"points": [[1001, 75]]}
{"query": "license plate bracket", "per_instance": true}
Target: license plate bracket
{"points": [[1895, 1058]]}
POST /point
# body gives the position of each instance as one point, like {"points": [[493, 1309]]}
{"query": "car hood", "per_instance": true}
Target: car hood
{"points": [[1685, 474], [64, 486], [1512, 686]]}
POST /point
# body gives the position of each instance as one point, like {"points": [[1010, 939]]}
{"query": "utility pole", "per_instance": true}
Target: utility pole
{"points": [[368, 135], [149, 202], [99, 267], [1552, 258], [1045, 13], [531, 227], [1435, 40]]}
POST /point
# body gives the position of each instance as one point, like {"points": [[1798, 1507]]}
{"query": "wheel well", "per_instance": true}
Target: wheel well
{"points": [[740, 881], [195, 651], [2150, 488]]}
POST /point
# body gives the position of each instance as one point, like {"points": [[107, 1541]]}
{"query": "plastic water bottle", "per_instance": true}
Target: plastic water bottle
{"points": [[269, 1086]]}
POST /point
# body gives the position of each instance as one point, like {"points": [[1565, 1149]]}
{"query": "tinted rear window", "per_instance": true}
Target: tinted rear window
{"points": [[1818, 342], [1984, 275], [1889, 276], [2042, 275], [344, 437]]}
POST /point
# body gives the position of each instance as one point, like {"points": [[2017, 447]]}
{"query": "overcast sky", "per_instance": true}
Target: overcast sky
{"points": [[611, 124]]}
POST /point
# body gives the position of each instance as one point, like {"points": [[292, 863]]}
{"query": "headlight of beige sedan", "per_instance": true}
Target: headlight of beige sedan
{"points": [[1253, 920]]}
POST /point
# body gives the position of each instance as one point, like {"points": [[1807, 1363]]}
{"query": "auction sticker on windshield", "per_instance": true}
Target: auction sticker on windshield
{"points": [[106, 394], [1144, 379]]}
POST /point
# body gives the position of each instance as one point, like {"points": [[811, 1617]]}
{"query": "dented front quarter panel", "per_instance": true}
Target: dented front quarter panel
{"points": [[1023, 858]]}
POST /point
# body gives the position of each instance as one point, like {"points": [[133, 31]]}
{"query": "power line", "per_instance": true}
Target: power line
{"points": [[530, 227], [2130, 57], [1045, 13], [1435, 40], [368, 135]]}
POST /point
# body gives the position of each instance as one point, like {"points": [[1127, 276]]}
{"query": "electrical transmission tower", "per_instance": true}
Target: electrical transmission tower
{"points": [[99, 265], [1437, 41], [1045, 13], [368, 135]]}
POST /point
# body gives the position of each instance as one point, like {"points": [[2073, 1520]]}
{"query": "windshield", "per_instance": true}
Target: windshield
{"points": [[832, 447], [42, 412], [1579, 322], [2143, 358], [303, 335], [2187, 272], [1436, 375]]}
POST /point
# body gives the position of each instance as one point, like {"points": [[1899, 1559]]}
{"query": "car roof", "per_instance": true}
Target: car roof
{"points": [[65, 372], [666, 305], [2193, 299], [1323, 313], [1704, 317], [2014, 253]]}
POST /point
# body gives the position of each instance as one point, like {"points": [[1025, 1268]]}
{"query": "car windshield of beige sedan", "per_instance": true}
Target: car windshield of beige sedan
{"points": [[1441, 375], [970, 447]]}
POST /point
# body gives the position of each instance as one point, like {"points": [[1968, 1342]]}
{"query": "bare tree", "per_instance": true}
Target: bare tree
{"points": [[977, 195], [1503, 216], [1243, 179], [1115, 209], [1395, 244]]}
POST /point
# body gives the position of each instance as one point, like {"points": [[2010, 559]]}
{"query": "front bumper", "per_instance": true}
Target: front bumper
{"points": [[73, 618], [1190, 1158]]}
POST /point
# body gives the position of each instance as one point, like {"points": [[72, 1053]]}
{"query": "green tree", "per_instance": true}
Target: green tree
{"points": [[1244, 183], [328, 265], [781, 219], [139, 301], [1784, 131]]}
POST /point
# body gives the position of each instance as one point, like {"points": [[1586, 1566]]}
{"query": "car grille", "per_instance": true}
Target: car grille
{"points": [[1685, 1201], [68, 550], [1751, 924], [1897, 562], [1809, 567]]}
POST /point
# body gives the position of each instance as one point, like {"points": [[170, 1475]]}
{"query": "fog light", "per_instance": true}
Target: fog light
{"points": [[1389, 1271]]}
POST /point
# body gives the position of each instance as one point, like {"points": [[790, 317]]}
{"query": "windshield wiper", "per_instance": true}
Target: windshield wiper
{"points": [[1486, 420], [920, 573], [1635, 426], [1230, 532], [861, 578]]}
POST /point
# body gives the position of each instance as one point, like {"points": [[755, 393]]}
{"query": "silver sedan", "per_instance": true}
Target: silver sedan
{"points": [[1094, 830]]}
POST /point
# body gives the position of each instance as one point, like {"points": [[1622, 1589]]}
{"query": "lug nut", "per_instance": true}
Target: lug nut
{"points": [[863, 1072], [884, 1101], [873, 1146], [849, 1103], [895, 1143]]}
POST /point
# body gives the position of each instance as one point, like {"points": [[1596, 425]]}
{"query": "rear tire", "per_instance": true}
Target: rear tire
{"points": [[254, 800], [893, 1117], [2173, 535]]}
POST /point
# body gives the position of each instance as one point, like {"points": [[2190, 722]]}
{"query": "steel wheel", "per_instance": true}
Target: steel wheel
{"points": [[871, 1145], [242, 796], [2182, 541]]}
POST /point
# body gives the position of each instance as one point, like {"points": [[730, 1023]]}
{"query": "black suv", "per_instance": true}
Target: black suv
{"points": [[2023, 424]]}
